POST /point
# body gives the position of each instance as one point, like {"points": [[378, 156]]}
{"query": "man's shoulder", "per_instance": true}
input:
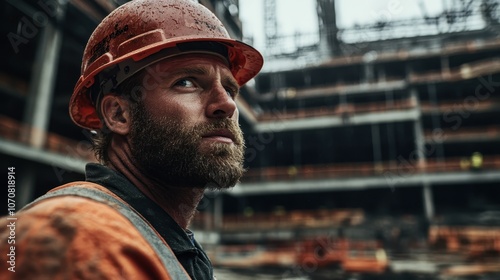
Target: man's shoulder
{"points": [[70, 235], [79, 225], [77, 213]]}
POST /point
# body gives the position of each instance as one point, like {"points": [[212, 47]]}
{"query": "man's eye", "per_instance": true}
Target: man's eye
{"points": [[184, 83], [231, 92]]}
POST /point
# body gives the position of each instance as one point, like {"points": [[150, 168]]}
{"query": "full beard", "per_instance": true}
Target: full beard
{"points": [[169, 152]]}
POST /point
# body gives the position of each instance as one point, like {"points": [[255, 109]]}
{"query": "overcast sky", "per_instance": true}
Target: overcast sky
{"points": [[300, 15]]}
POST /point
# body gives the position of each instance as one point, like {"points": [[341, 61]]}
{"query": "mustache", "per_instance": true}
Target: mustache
{"points": [[228, 124]]}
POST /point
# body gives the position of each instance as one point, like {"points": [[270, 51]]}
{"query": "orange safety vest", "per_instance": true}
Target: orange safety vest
{"points": [[157, 257]]}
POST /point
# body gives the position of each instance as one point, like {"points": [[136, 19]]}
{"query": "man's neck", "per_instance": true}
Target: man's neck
{"points": [[179, 202]]}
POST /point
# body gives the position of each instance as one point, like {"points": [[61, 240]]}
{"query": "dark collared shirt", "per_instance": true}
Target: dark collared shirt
{"points": [[186, 249]]}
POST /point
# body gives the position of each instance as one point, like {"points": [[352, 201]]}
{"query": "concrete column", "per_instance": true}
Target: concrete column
{"points": [[369, 75], [428, 201], [218, 212], [297, 149], [445, 66], [328, 29], [421, 160], [39, 101], [389, 96], [377, 149], [418, 132], [42, 84], [207, 219], [26, 185], [431, 88]]}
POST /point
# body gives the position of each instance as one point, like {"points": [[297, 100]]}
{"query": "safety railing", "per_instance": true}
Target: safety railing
{"points": [[15, 131], [362, 169], [341, 110]]}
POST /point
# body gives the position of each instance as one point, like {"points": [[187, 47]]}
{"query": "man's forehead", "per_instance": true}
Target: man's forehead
{"points": [[205, 58], [195, 63]]}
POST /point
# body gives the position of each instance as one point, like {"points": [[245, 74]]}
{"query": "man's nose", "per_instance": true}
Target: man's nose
{"points": [[221, 104]]}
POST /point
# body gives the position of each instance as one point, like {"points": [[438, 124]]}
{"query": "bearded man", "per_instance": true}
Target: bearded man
{"points": [[158, 87]]}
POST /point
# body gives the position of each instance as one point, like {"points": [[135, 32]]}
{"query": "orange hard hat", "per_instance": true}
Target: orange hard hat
{"points": [[142, 32]]}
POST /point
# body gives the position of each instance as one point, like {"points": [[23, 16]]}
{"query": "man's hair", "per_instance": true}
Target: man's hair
{"points": [[131, 89]]}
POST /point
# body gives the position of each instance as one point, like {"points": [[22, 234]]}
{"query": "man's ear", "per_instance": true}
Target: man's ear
{"points": [[115, 113]]}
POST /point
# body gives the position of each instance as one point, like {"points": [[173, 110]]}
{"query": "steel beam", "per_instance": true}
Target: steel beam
{"points": [[66, 162], [373, 182], [334, 121]]}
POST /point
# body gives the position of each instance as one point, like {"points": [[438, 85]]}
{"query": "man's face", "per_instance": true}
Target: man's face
{"points": [[185, 130]]}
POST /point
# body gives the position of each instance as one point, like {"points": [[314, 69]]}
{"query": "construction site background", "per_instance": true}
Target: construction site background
{"points": [[372, 151]]}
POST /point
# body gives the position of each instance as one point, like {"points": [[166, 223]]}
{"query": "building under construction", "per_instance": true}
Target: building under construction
{"points": [[367, 147]]}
